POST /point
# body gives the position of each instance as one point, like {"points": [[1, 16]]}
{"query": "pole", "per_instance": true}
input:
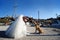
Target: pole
{"points": [[38, 15], [15, 8]]}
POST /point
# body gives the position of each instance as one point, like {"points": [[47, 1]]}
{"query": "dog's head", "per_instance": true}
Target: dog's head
{"points": [[27, 19]]}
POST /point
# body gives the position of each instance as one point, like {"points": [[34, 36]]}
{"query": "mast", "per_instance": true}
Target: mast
{"points": [[14, 8], [38, 15]]}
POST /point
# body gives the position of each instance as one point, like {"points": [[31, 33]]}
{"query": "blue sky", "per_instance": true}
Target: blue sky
{"points": [[47, 8]]}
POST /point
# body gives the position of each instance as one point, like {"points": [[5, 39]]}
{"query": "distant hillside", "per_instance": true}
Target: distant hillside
{"points": [[6, 20]]}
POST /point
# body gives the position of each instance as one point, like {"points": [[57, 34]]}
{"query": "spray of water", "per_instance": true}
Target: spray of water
{"points": [[17, 29]]}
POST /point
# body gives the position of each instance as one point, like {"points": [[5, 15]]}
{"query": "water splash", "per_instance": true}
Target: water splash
{"points": [[17, 29]]}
